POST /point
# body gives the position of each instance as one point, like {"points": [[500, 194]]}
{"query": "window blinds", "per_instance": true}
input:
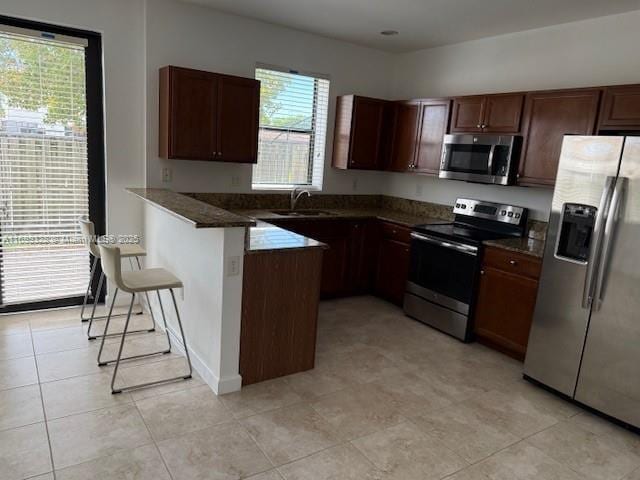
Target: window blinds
{"points": [[293, 128], [43, 168]]}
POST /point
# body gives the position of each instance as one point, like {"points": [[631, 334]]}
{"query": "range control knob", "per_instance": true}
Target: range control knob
{"points": [[503, 213]]}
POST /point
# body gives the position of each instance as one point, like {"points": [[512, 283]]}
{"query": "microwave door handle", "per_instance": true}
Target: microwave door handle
{"points": [[490, 160], [595, 243], [460, 247], [607, 239]]}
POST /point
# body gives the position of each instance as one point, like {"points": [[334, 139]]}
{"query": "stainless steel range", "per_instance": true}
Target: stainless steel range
{"points": [[445, 263]]}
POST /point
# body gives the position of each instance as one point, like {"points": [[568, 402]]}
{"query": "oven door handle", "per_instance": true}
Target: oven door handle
{"points": [[460, 247]]}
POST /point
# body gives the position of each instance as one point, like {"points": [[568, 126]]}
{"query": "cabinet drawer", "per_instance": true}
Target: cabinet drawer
{"points": [[513, 262], [395, 232]]}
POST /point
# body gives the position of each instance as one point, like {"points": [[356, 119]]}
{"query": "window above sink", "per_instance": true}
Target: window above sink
{"points": [[293, 126]]}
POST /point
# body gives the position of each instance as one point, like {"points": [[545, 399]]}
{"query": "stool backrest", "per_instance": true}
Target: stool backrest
{"points": [[111, 264], [88, 230]]}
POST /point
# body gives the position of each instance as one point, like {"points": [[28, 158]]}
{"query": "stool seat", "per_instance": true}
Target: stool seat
{"points": [[131, 250], [150, 279]]}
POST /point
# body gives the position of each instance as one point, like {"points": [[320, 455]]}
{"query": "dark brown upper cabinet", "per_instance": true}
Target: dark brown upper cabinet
{"points": [[500, 113], [208, 116], [620, 108], [434, 120], [548, 117], [405, 135], [419, 128], [362, 134]]}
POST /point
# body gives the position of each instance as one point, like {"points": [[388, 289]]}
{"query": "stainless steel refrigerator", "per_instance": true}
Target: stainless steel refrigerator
{"points": [[585, 337]]}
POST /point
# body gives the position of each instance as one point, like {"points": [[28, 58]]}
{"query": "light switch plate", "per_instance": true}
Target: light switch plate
{"points": [[233, 266], [418, 189], [235, 180], [167, 175]]}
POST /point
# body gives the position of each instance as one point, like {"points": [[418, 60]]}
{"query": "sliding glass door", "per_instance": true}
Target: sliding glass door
{"points": [[51, 162]]}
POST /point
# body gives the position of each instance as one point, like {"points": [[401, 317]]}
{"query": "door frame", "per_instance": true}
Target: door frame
{"points": [[95, 145]]}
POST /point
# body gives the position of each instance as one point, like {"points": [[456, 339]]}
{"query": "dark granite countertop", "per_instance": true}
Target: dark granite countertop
{"points": [[267, 237], [527, 246], [401, 218], [200, 214]]}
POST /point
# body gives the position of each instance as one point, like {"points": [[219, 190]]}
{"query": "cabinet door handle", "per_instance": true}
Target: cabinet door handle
{"points": [[478, 126], [513, 262], [484, 126], [481, 272]]}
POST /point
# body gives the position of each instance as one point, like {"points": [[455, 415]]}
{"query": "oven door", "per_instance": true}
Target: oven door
{"points": [[443, 272]]}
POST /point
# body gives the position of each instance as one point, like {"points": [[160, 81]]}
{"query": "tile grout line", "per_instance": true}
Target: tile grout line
{"points": [[44, 411], [153, 440]]}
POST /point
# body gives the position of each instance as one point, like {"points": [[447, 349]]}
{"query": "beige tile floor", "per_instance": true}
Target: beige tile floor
{"points": [[389, 399]]}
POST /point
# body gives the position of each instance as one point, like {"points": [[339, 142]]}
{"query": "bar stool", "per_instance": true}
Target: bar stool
{"points": [[130, 251], [139, 281]]}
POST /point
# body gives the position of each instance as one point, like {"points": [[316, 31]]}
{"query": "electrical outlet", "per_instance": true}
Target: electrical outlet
{"points": [[167, 174], [418, 190], [235, 180], [354, 184], [233, 266]]}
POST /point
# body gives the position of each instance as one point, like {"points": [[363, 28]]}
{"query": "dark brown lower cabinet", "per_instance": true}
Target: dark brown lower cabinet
{"points": [[393, 262], [393, 268], [506, 301], [364, 256], [280, 296]]}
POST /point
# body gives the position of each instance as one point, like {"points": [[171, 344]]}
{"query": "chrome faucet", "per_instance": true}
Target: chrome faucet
{"points": [[296, 193]]}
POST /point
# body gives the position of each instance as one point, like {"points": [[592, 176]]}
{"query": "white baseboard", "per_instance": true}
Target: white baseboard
{"points": [[220, 386]]}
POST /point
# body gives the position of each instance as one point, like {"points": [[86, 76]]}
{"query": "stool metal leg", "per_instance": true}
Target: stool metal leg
{"points": [[184, 339], [94, 264], [157, 382], [164, 319], [124, 334], [93, 309], [106, 328]]}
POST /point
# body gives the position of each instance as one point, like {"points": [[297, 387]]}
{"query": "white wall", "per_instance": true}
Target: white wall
{"points": [[121, 23], [210, 303], [192, 36], [600, 51]]}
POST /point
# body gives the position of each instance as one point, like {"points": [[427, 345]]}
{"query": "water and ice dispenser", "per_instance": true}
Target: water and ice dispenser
{"points": [[576, 229]]}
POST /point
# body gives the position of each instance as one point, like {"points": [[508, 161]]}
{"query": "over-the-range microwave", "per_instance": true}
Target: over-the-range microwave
{"points": [[481, 158]]}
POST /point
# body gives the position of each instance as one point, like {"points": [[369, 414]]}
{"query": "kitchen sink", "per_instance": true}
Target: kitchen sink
{"points": [[303, 213]]}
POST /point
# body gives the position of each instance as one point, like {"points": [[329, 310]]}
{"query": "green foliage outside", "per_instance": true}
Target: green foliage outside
{"points": [[271, 87], [35, 74]]}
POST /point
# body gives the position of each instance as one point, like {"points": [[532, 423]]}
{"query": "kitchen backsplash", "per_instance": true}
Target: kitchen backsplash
{"points": [[259, 201]]}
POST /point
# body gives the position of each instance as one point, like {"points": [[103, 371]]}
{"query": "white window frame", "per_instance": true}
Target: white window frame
{"points": [[318, 132]]}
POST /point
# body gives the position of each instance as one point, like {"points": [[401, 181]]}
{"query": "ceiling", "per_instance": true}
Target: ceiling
{"points": [[421, 23]]}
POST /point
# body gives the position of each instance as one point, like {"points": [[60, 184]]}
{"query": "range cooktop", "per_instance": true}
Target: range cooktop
{"points": [[460, 232], [477, 221]]}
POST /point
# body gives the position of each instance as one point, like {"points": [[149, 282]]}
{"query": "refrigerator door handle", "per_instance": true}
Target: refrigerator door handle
{"points": [[607, 236], [595, 243]]}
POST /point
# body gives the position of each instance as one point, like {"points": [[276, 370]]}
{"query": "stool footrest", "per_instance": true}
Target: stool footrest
{"points": [[119, 334], [100, 317], [148, 384], [133, 357]]}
